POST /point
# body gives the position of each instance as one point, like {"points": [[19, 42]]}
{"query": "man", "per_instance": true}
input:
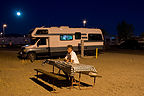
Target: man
{"points": [[71, 55]]}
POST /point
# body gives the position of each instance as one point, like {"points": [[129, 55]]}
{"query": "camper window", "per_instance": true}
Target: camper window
{"points": [[77, 35], [94, 37], [42, 32], [66, 37], [42, 41]]}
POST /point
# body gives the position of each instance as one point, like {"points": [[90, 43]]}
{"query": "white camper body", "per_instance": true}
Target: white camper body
{"points": [[54, 40]]}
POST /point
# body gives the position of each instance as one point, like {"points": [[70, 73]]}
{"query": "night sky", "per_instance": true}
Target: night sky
{"points": [[99, 14]]}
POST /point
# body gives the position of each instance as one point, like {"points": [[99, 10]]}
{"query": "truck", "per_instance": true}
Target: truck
{"points": [[53, 41]]}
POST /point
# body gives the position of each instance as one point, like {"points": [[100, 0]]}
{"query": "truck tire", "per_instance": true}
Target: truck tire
{"points": [[32, 56]]}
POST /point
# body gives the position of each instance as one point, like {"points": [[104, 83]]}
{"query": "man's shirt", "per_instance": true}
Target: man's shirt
{"points": [[72, 56]]}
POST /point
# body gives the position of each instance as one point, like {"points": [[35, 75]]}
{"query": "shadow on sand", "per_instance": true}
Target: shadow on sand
{"points": [[44, 81]]}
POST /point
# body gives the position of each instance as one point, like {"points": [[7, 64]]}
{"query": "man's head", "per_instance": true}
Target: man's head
{"points": [[69, 48]]}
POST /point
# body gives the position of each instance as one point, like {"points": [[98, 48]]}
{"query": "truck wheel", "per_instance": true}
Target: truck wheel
{"points": [[31, 56]]}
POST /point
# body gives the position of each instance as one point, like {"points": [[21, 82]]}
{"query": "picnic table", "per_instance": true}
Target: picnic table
{"points": [[72, 68]]}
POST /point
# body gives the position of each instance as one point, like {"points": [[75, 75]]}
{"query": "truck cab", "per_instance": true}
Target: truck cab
{"points": [[38, 47]]}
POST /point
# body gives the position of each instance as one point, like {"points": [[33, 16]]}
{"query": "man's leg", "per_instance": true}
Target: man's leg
{"points": [[59, 71], [67, 76]]}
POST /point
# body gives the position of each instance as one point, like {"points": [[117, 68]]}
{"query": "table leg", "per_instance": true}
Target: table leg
{"points": [[94, 80], [53, 85], [72, 81], [37, 75], [53, 68], [79, 79]]}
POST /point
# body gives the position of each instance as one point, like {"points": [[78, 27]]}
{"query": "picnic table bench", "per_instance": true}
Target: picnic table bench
{"points": [[58, 77], [54, 76], [71, 69]]}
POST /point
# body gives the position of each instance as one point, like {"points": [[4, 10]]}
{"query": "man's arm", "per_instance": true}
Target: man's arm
{"points": [[65, 58], [73, 57]]}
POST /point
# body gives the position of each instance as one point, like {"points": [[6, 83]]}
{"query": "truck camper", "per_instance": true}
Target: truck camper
{"points": [[53, 41]]}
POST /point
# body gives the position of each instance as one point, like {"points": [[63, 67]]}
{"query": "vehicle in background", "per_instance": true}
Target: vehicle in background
{"points": [[53, 41], [130, 44], [13, 41]]}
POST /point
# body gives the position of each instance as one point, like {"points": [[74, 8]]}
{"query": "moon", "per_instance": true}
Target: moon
{"points": [[18, 13]]}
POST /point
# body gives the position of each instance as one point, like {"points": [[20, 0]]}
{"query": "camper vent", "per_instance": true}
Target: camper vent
{"points": [[53, 27], [64, 26]]}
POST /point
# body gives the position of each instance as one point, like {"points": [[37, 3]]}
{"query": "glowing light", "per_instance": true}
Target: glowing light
{"points": [[4, 25], [18, 13], [84, 23]]}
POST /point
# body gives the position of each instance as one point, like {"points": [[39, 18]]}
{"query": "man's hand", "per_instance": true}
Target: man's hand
{"points": [[72, 61], [66, 60]]}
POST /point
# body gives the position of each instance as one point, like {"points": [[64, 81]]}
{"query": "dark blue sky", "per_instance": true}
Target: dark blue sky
{"points": [[99, 13]]}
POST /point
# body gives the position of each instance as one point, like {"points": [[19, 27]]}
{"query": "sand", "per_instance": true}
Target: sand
{"points": [[122, 75]]}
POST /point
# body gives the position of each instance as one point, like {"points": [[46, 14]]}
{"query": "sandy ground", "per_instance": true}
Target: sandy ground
{"points": [[122, 75]]}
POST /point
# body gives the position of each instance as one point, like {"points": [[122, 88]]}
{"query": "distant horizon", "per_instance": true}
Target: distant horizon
{"points": [[68, 26]]}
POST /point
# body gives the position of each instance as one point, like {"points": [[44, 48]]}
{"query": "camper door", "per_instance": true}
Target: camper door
{"points": [[42, 46]]}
